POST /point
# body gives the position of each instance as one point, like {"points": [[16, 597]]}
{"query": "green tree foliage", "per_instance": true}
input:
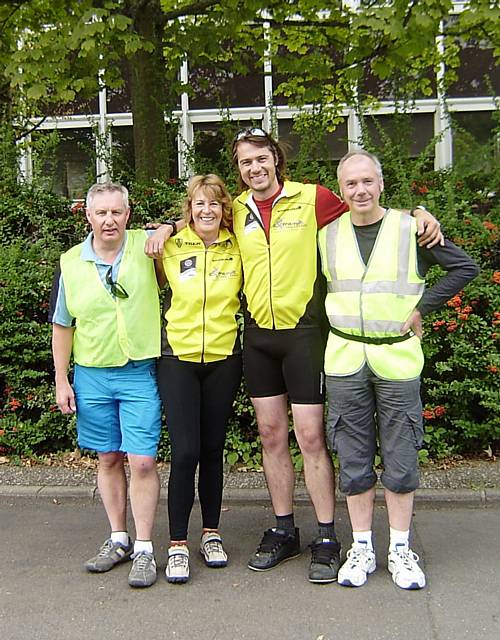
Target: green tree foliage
{"points": [[324, 50], [51, 52]]}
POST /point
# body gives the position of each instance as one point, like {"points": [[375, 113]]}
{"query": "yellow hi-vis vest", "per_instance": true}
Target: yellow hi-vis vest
{"points": [[203, 300], [372, 300], [279, 276], [111, 331]]}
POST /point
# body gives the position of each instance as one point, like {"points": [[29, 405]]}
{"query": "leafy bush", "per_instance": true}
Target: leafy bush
{"points": [[460, 379]]}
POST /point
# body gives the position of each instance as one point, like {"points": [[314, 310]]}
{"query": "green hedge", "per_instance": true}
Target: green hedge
{"points": [[461, 375]]}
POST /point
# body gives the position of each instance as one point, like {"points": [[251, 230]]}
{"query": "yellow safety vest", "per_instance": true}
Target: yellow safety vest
{"points": [[372, 300], [204, 298], [279, 275], [111, 331]]}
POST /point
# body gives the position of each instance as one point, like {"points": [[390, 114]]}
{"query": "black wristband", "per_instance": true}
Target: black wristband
{"points": [[173, 225], [419, 207]]}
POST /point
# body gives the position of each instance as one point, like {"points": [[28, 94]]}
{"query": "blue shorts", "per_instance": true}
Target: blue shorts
{"points": [[118, 408]]}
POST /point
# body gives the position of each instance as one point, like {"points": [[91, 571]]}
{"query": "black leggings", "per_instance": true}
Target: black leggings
{"points": [[197, 399]]}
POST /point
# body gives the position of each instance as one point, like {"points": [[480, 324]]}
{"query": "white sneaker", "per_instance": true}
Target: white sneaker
{"points": [[212, 550], [359, 563], [406, 573], [178, 564]]}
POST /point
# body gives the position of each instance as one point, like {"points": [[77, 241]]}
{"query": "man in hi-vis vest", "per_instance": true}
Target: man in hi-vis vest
{"points": [[105, 311], [375, 301]]}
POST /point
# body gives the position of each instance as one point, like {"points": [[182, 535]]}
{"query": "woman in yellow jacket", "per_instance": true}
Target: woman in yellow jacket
{"points": [[199, 371]]}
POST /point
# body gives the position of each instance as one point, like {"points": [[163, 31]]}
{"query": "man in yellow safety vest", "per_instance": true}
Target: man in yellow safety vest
{"points": [[375, 271]]}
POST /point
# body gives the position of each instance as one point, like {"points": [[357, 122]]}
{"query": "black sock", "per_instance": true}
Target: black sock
{"points": [[327, 530], [287, 523]]}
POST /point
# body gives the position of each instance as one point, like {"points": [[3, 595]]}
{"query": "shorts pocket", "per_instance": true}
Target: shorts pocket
{"points": [[416, 424], [332, 426]]}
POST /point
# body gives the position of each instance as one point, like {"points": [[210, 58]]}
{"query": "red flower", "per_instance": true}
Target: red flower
{"points": [[437, 324], [14, 404], [496, 277], [423, 189], [456, 301], [451, 326], [439, 411], [77, 206], [489, 225], [492, 369]]}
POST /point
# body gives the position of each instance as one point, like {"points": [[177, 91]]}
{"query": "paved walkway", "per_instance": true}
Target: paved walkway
{"points": [[45, 594]]}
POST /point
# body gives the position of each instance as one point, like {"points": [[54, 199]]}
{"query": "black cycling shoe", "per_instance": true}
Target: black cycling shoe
{"points": [[325, 560], [276, 546]]}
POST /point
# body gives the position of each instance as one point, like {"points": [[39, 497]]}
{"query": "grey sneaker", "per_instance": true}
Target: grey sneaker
{"points": [[143, 572], [325, 560], [110, 554]]}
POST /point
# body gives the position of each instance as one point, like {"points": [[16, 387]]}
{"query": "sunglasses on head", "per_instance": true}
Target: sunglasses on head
{"points": [[253, 131], [115, 287]]}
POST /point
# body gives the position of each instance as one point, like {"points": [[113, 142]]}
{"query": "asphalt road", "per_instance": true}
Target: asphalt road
{"points": [[45, 594]]}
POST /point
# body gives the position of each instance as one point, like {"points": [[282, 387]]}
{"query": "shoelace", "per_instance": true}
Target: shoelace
{"points": [[271, 541], [106, 548], [408, 557], [213, 546], [322, 552], [179, 560], [142, 560], [355, 557]]}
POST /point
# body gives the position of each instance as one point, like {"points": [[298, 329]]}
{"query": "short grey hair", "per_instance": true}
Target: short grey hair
{"points": [[360, 152], [106, 187]]}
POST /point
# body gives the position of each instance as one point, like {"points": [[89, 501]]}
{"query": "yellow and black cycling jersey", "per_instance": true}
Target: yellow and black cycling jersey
{"points": [[281, 276], [203, 298]]}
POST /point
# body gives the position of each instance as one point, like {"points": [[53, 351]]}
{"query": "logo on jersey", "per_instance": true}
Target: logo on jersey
{"points": [[223, 275], [179, 242], [187, 268], [251, 222], [289, 225]]}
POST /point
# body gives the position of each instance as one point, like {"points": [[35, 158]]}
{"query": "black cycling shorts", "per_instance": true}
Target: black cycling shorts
{"points": [[277, 361]]}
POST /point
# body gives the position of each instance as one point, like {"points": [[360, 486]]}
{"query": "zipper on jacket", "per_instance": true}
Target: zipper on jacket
{"points": [[204, 306], [270, 281]]}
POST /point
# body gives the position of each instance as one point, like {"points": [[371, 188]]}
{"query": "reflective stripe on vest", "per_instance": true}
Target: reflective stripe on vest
{"points": [[363, 305]]}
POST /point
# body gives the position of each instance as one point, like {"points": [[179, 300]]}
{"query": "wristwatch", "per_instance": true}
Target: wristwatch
{"points": [[173, 225]]}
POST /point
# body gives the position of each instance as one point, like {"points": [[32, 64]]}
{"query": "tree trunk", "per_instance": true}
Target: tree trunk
{"points": [[149, 98]]}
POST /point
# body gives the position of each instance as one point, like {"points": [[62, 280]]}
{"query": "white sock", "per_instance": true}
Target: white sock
{"points": [[120, 536], [364, 538], [398, 539], [143, 545]]}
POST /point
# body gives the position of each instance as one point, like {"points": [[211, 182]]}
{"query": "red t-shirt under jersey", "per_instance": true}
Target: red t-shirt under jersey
{"points": [[328, 207]]}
